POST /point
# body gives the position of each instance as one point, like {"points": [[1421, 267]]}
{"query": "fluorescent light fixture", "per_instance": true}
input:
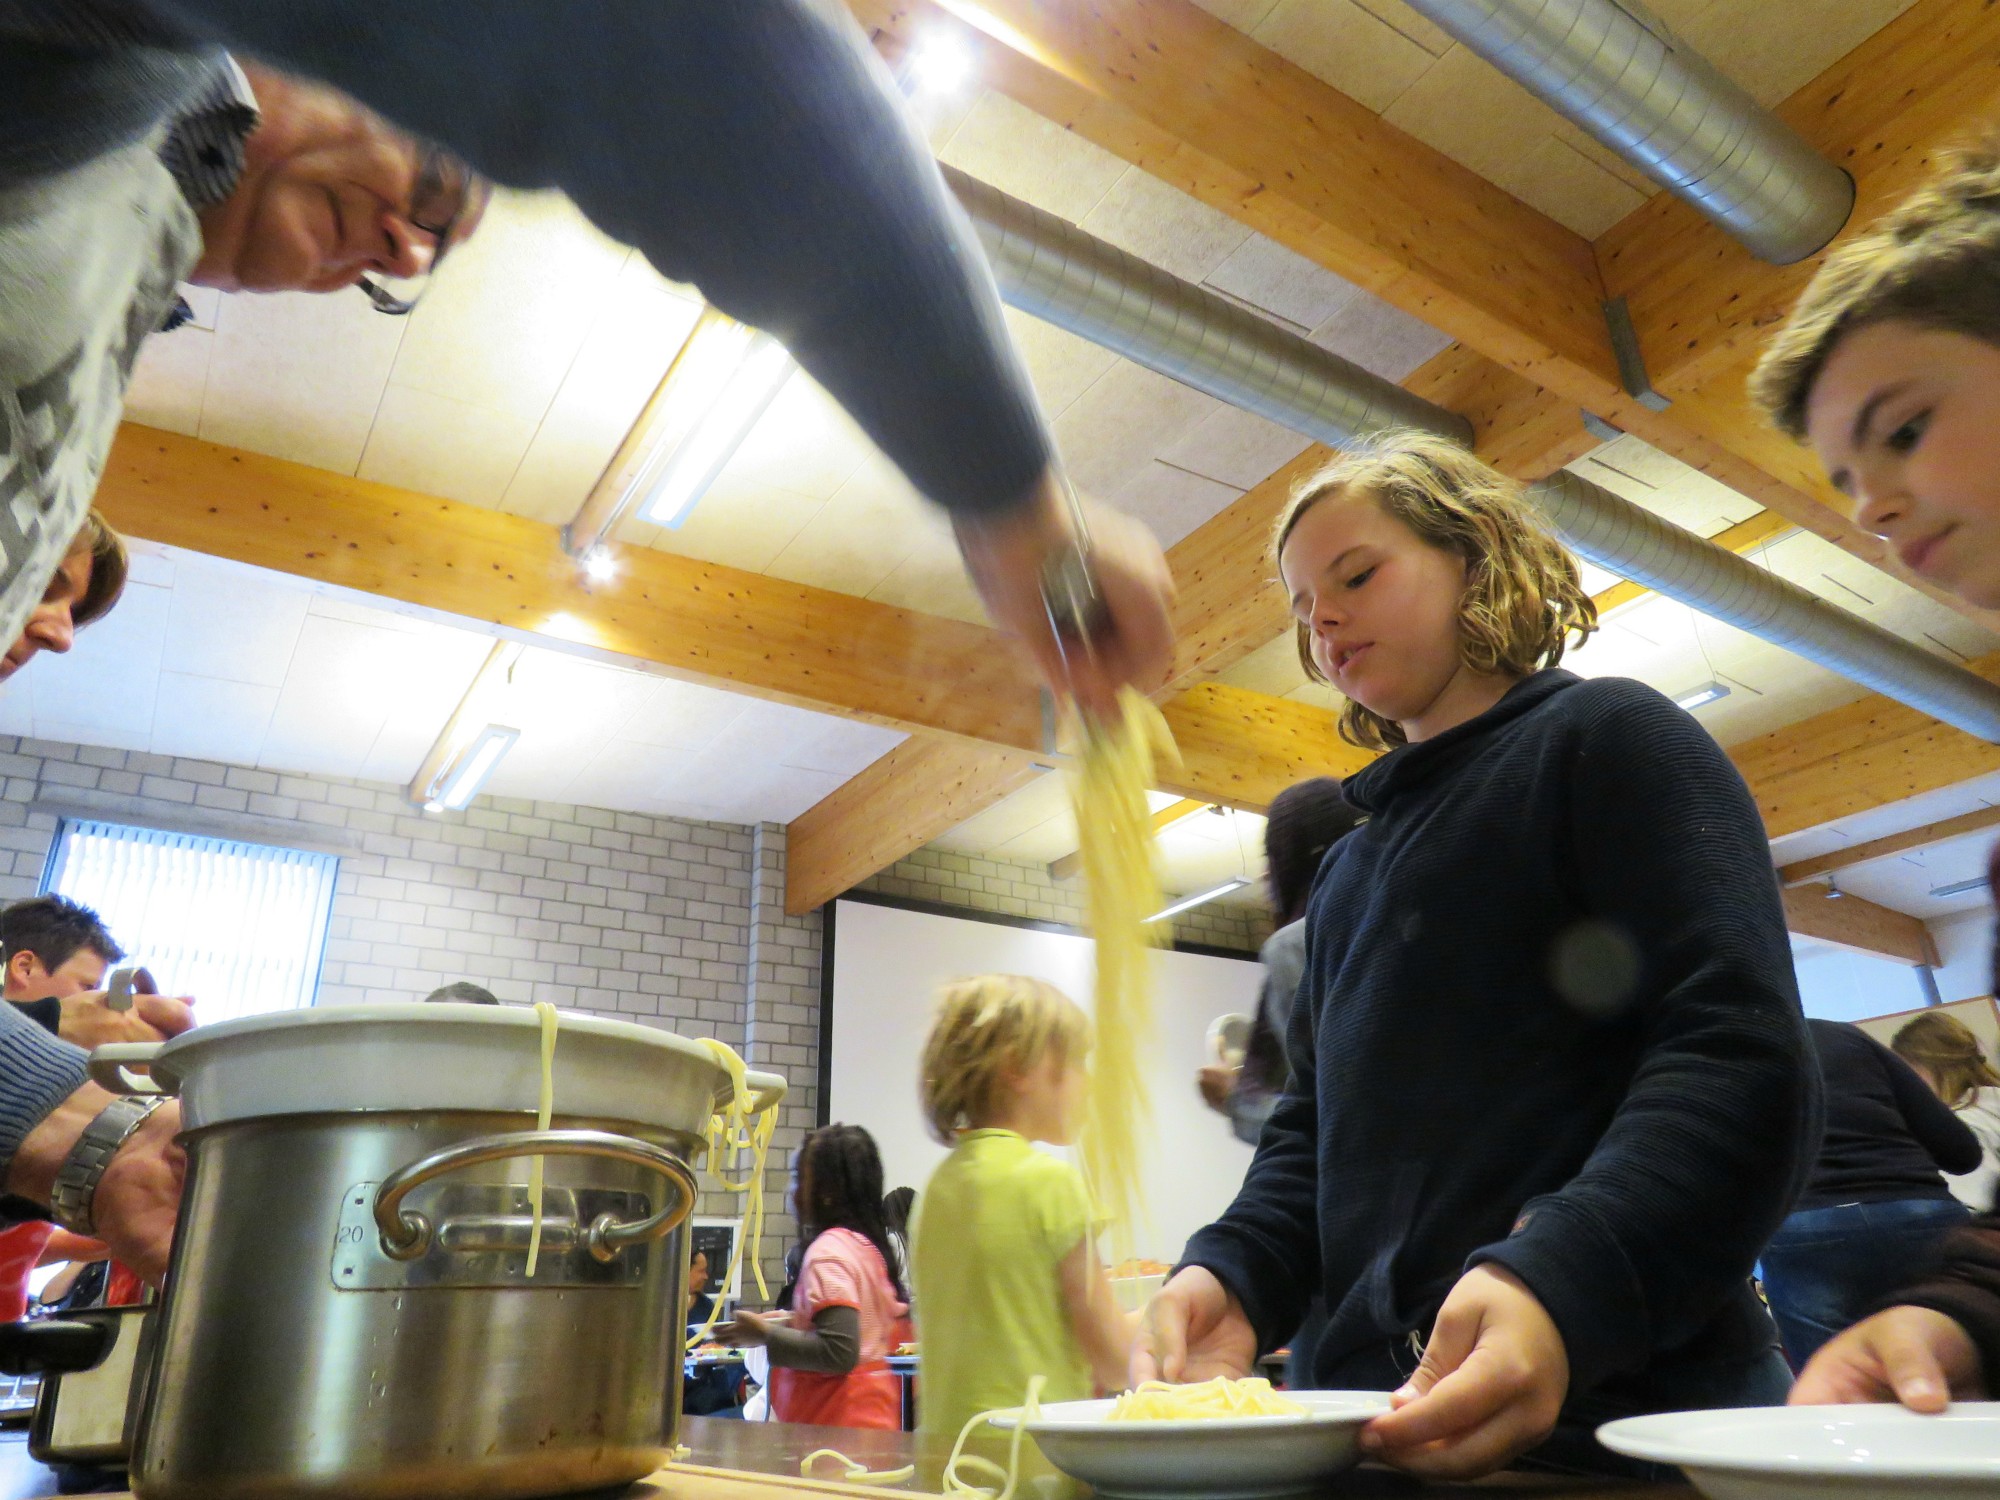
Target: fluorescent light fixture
{"points": [[601, 565], [465, 771], [1200, 898], [1960, 887], [1702, 696], [939, 64], [723, 380]]}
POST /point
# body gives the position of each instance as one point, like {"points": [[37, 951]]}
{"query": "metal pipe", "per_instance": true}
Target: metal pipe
{"points": [[1048, 267], [1617, 72], [1059, 273]]}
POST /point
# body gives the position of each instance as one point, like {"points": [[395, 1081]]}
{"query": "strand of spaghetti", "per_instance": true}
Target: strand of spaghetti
{"points": [[545, 1013], [853, 1472], [1009, 1477]]}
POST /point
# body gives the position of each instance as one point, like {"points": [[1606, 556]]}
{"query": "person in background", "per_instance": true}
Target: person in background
{"points": [[700, 1300], [461, 992], [1889, 366], [86, 584], [829, 1358], [897, 1210], [1008, 1280], [1304, 821], [55, 953], [1876, 1205], [1943, 1049], [1555, 1093]]}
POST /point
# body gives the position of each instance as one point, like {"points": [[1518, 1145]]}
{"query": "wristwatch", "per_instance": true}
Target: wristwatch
{"points": [[75, 1189]]}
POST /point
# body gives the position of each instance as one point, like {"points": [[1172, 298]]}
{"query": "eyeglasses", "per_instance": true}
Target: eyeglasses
{"points": [[446, 188]]}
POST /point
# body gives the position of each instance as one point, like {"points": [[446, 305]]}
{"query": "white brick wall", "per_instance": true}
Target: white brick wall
{"points": [[1016, 888], [643, 919]]}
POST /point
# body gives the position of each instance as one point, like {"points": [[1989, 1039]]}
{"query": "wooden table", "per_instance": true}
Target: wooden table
{"points": [[733, 1460]]}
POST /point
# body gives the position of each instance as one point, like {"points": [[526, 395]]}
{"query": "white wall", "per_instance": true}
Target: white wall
{"points": [[1965, 943], [1837, 985], [888, 965]]}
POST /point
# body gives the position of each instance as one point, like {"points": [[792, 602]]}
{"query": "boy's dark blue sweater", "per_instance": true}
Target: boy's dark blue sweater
{"points": [[1548, 1020]]}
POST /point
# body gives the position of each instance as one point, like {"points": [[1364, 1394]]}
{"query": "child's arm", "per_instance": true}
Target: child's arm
{"points": [[1909, 1354], [1104, 1332], [832, 1346]]}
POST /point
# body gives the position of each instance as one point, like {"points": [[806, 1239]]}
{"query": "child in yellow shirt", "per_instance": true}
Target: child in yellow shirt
{"points": [[1008, 1280]]}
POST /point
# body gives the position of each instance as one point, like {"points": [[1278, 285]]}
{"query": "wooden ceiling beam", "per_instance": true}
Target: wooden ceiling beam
{"points": [[788, 642], [1823, 866], [1861, 926]]}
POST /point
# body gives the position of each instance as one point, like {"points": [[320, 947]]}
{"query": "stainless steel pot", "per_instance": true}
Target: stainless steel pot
{"points": [[347, 1312]]}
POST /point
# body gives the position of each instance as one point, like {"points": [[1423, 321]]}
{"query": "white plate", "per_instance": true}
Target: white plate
{"points": [[1811, 1452], [1224, 1458]]}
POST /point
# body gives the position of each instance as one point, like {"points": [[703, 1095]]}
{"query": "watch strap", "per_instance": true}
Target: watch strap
{"points": [[75, 1191]]}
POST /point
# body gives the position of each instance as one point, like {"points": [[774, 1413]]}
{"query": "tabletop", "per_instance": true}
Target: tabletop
{"points": [[774, 1449]]}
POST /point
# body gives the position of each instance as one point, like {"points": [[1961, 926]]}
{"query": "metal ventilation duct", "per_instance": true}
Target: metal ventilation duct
{"points": [[1048, 267], [1057, 272], [1614, 70]]}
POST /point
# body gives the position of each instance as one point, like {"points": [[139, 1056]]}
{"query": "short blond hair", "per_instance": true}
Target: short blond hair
{"points": [[108, 567], [1933, 261], [988, 1027], [1524, 593]]}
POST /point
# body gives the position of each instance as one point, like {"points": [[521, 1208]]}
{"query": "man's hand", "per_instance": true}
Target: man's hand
{"points": [[1909, 1354], [88, 1021], [1217, 1082], [1490, 1386], [1193, 1329], [1005, 558], [140, 1192]]}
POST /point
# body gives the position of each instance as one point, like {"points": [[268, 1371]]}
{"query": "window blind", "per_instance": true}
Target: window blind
{"points": [[240, 927]]}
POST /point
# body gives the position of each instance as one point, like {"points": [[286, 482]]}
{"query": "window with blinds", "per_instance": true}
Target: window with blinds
{"points": [[240, 927]]}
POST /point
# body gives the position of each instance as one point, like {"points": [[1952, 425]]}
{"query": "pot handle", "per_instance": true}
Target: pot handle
{"points": [[407, 1234], [54, 1346], [126, 1068], [766, 1089]]}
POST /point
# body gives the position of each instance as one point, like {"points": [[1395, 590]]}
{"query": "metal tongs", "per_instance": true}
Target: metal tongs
{"points": [[125, 983], [1077, 613]]}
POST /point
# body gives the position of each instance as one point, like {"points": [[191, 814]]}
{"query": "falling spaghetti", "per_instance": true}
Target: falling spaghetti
{"points": [[1122, 889], [1156, 1401], [545, 1014], [744, 1126]]}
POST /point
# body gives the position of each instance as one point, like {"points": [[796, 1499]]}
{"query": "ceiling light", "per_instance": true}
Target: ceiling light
{"points": [[600, 564], [1700, 697], [723, 379], [1960, 887], [939, 64], [1200, 898], [466, 772]]}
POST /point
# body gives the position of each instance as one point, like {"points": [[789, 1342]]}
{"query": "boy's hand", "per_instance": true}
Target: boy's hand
{"points": [[1490, 1386], [1908, 1354], [1217, 1082], [1193, 1329]]}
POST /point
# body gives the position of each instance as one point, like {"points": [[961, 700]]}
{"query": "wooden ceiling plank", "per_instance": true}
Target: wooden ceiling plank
{"points": [[809, 647], [1197, 103], [1861, 926], [1943, 831]]}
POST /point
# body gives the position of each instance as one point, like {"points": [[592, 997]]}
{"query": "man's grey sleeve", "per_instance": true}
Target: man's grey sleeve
{"points": [[37, 1072], [752, 147]]}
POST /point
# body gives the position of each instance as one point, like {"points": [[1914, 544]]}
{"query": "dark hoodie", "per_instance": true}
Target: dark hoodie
{"points": [[1549, 1021]]}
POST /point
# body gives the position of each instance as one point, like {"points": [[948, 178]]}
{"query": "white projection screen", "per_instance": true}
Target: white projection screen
{"points": [[887, 964]]}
